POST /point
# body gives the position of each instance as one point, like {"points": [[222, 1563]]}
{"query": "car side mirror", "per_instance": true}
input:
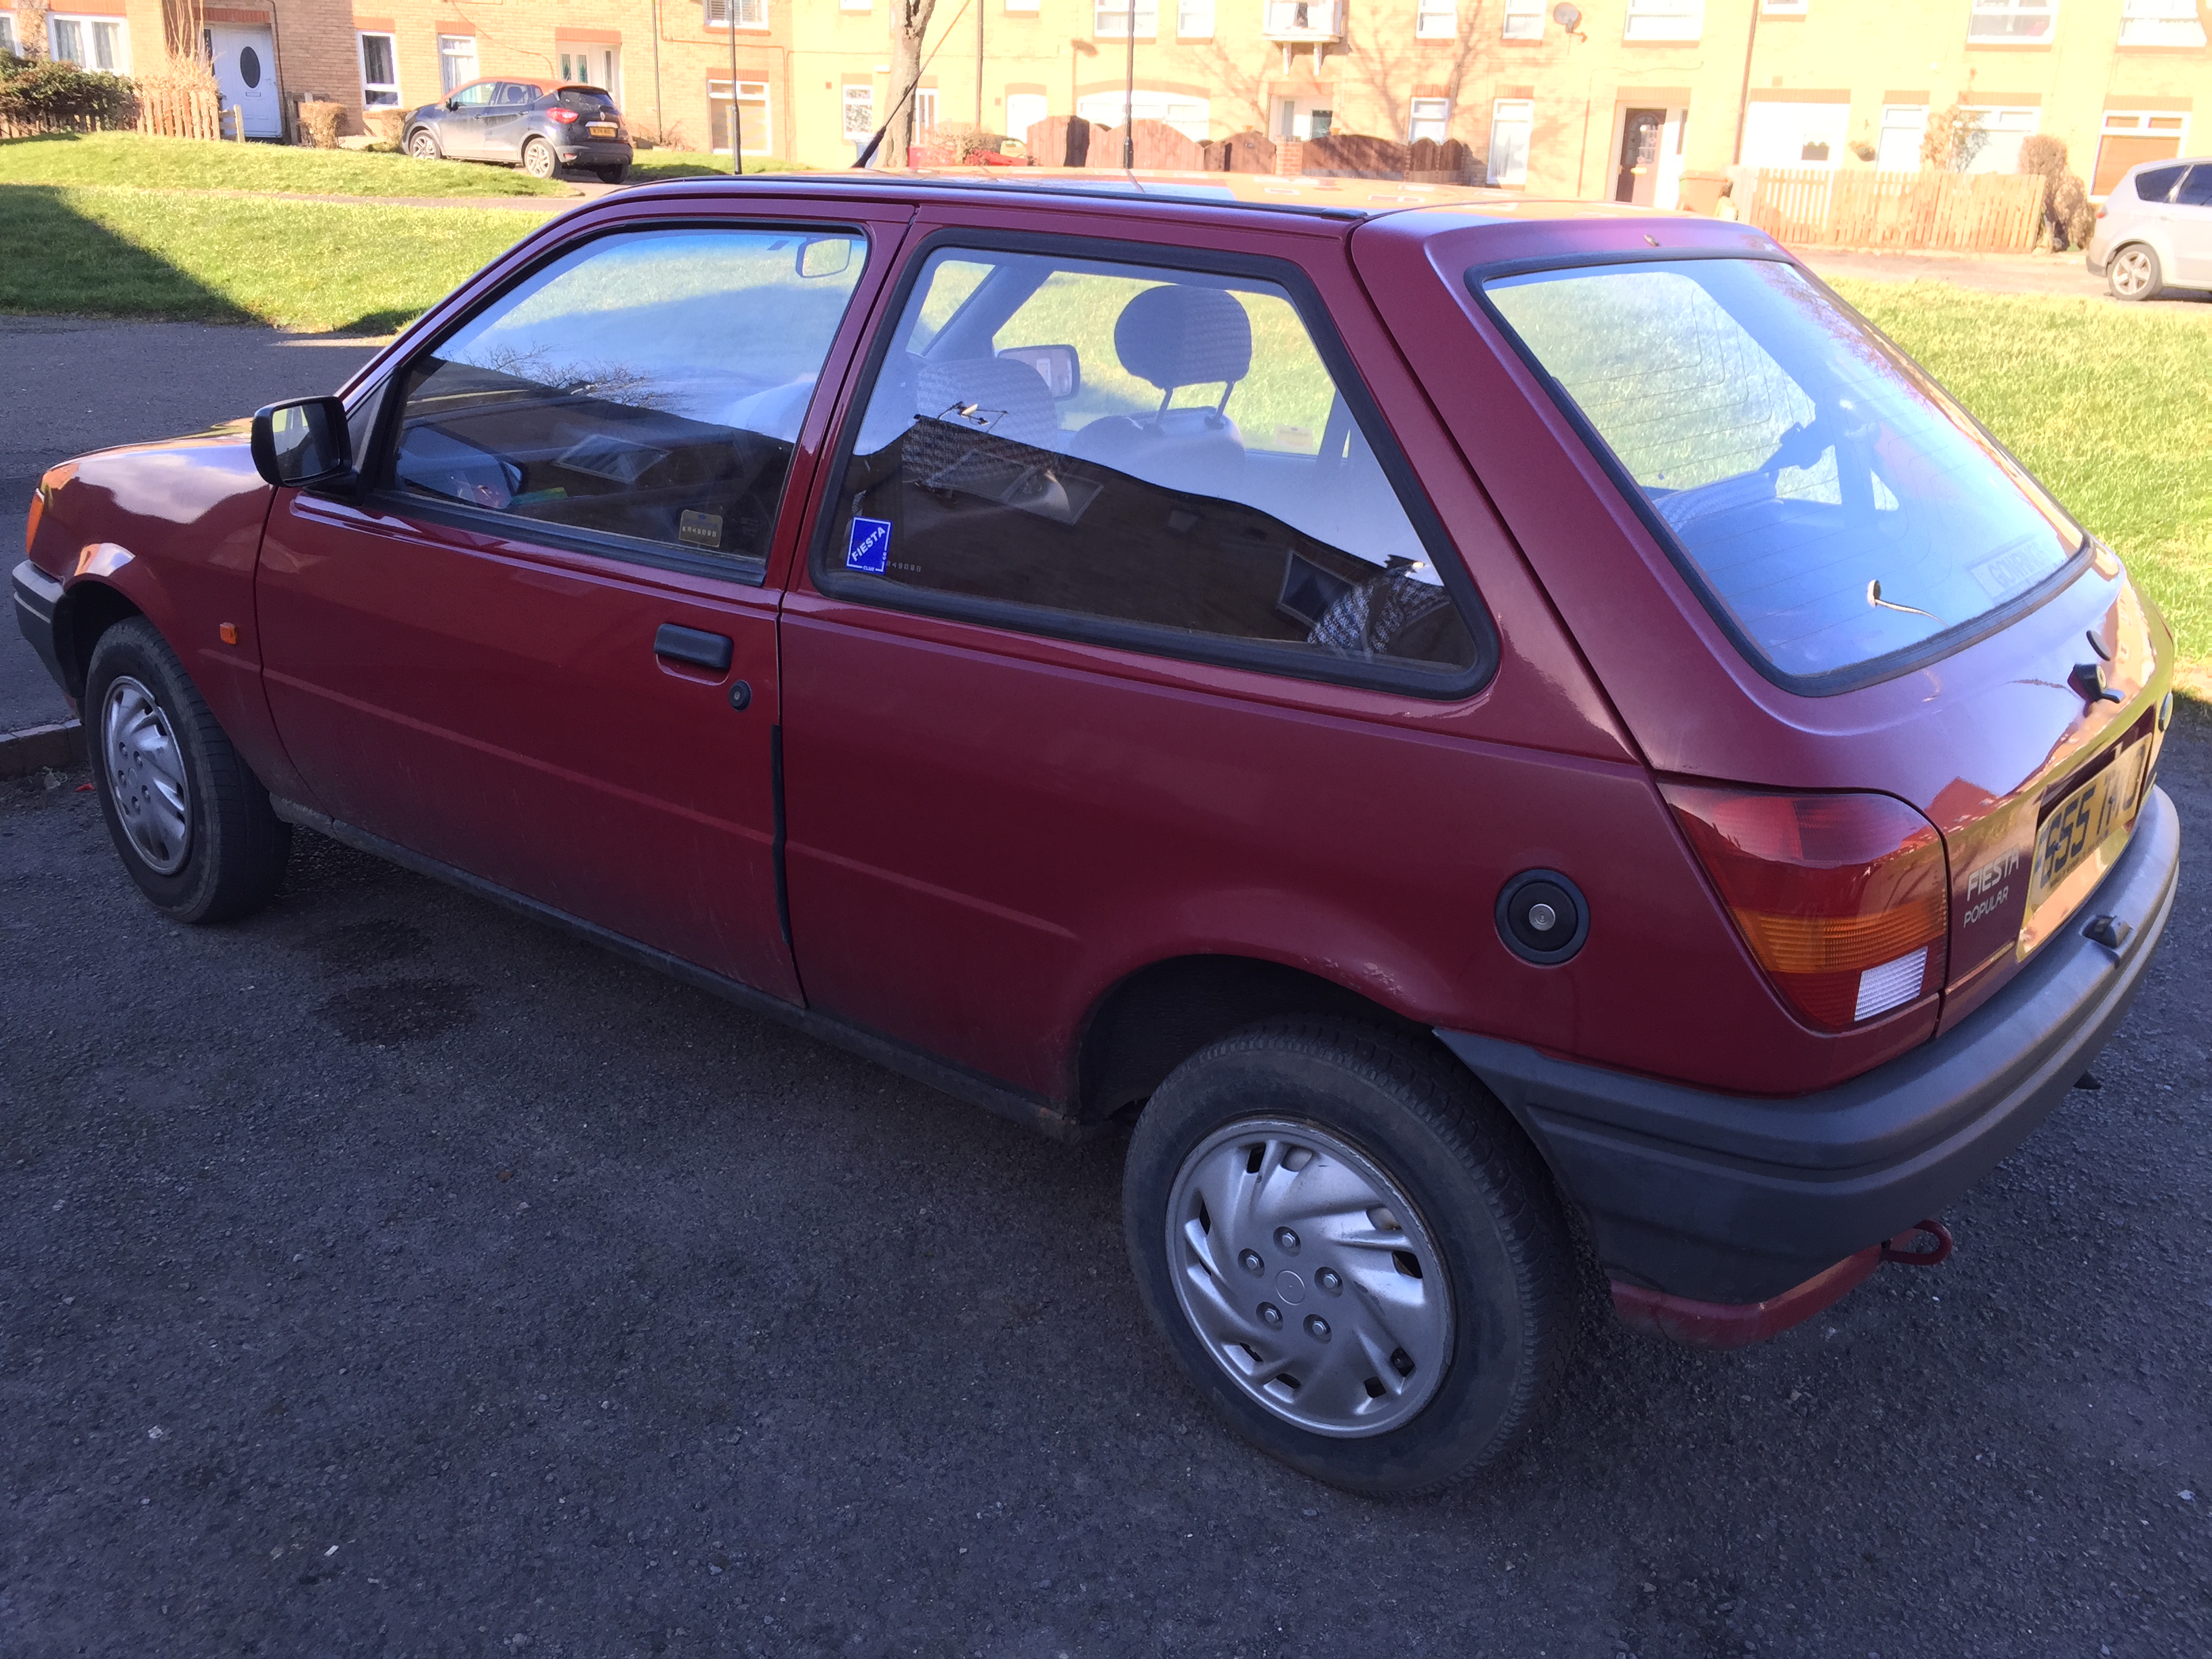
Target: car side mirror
{"points": [[1060, 366], [302, 443], [824, 256], [453, 104]]}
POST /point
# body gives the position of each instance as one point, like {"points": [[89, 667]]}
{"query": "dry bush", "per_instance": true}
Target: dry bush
{"points": [[2066, 214], [319, 123], [385, 123]]}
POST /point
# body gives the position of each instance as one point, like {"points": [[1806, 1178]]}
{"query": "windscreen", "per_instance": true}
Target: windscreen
{"points": [[1837, 505], [585, 100]]}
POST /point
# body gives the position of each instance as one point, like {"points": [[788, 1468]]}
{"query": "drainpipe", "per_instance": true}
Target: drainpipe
{"points": [[660, 124], [1129, 97], [979, 67], [1743, 94]]}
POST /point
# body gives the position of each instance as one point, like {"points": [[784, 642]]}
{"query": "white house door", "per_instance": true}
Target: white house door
{"points": [[245, 78]]}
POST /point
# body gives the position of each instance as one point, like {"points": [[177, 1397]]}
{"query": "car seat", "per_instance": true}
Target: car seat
{"points": [[1172, 337]]}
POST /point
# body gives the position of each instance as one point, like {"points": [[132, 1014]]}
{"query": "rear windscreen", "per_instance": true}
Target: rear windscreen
{"points": [[1834, 504], [585, 101]]}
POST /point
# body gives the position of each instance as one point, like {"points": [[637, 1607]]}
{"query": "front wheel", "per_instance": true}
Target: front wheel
{"points": [[422, 145], [193, 823], [613, 175], [1352, 1252], [538, 159], [2134, 273]]}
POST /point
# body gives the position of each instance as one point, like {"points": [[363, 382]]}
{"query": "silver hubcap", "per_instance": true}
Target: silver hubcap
{"points": [[146, 775], [2131, 272], [425, 146], [1309, 1276], [539, 161]]}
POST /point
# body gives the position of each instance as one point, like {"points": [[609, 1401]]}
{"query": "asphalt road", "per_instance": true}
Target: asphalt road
{"points": [[71, 384], [390, 1274]]}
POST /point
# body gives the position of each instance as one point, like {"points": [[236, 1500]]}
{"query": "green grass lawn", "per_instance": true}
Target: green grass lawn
{"points": [[651, 164], [309, 266], [126, 158], [2110, 405]]}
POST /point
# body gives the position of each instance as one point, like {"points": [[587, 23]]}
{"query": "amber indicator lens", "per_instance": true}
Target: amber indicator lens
{"points": [[1843, 898]]}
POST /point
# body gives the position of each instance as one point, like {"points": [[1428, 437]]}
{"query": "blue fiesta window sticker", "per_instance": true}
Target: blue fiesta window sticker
{"points": [[869, 547]]}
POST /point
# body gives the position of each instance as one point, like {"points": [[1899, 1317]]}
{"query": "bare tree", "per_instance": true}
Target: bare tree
{"points": [[910, 22], [1243, 85], [1388, 70]]}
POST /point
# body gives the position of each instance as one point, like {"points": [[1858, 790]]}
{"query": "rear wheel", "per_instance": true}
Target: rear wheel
{"points": [[1352, 1252], [422, 145], [538, 159], [613, 175], [193, 823], [2134, 273]]}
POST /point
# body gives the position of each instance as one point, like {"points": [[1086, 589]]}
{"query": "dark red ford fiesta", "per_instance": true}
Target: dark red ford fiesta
{"points": [[1486, 729]]}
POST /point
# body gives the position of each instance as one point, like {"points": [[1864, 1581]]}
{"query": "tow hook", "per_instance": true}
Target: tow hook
{"points": [[1899, 1248]]}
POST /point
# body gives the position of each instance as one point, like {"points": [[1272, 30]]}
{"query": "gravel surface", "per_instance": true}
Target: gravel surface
{"points": [[391, 1274]]}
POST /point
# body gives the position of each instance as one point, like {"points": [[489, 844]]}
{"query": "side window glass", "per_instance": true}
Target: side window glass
{"points": [[2196, 191], [1083, 440], [473, 97], [647, 386]]}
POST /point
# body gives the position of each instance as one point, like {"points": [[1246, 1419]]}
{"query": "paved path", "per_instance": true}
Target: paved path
{"points": [[2062, 274]]}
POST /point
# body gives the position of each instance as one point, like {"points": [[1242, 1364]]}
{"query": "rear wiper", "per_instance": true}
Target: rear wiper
{"points": [[1875, 597]]}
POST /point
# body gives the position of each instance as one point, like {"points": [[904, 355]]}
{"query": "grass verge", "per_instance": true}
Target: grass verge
{"points": [[2110, 405], [128, 158], [312, 265], [651, 164]]}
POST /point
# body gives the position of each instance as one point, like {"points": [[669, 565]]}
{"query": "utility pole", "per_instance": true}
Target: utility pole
{"points": [[979, 69], [1743, 95], [736, 134], [1129, 95]]}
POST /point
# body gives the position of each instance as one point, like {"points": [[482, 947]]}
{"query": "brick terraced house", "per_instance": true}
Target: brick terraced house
{"points": [[1624, 99]]}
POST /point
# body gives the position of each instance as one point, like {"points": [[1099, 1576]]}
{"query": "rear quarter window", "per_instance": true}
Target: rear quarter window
{"points": [[2156, 184], [1839, 513]]}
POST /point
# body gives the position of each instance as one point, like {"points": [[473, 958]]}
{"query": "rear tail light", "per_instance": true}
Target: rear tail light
{"points": [[1843, 898], [563, 116], [2101, 211]]}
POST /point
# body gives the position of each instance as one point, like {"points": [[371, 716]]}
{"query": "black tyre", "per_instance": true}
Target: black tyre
{"points": [[613, 175], [423, 144], [538, 159], [2134, 273], [192, 823], [1353, 1251]]}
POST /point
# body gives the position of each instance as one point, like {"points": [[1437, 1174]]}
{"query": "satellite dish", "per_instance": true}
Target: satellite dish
{"points": [[1569, 18]]}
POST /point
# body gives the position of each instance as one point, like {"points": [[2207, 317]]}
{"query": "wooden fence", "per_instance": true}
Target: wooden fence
{"points": [[1961, 212], [180, 114], [33, 126]]}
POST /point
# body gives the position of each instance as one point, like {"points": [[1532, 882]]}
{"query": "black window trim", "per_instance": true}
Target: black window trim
{"points": [[1148, 639], [1833, 682], [746, 569]]}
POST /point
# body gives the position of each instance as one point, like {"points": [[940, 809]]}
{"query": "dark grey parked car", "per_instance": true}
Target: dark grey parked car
{"points": [[540, 126]]}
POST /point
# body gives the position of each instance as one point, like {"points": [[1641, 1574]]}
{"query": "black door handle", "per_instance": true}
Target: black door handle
{"points": [[689, 645]]}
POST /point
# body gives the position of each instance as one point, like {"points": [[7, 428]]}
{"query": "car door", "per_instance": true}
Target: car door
{"points": [[1127, 631], [540, 645], [506, 121], [2189, 222], [461, 126]]}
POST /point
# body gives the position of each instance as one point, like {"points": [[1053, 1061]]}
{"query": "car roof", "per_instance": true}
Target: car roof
{"points": [[1307, 195]]}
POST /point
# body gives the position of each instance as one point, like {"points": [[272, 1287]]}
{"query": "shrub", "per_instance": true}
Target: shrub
{"points": [[385, 123], [2066, 210], [318, 122], [43, 92], [1954, 137]]}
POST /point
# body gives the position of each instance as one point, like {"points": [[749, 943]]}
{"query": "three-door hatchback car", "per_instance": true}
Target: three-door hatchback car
{"points": [[2155, 231], [540, 126], [1490, 734]]}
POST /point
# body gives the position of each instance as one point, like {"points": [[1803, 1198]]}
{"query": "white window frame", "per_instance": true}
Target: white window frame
{"points": [[2137, 124], [2161, 23], [750, 15], [1020, 130], [1524, 21], [749, 92], [450, 82], [856, 5], [8, 43], [88, 26], [1664, 20], [2001, 122], [856, 95], [925, 110], [1436, 19], [1903, 117], [2000, 13], [1506, 113], [1188, 113], [1781, 8], [370, 90], [1434, 113], [1022, 5], [1109, 20], [1194, 20]]}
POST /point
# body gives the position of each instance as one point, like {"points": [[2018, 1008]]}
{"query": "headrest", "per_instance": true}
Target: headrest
{"points": [[1175, 336], [1009, 398]]}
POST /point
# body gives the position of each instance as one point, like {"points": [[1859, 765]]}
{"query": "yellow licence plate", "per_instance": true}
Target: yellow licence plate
{"points": [[2080, 840], [601, 130]]}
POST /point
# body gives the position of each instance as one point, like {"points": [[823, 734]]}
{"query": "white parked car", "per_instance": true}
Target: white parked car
{"points": [[2154, 230]]}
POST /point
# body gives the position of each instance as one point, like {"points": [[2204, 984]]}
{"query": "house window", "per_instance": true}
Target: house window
{"points": [[1524, 20], [1023, 111], [750, 15], [1437, 20], [2011, 22], [2001, 131], [1021, 5], [752, 115], [1904, 128], [860, 109], [1781, 8], [1111, 17], [925, 109], [1511, 120], [2132, 136], [1431, 118], [855, 5], [1195, 19], [1796, 135], [100, 44], [1191, 117], [380, 72], [8, 43], [1665, 20], [2161, 23], [457, 62], [593, 67]]}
